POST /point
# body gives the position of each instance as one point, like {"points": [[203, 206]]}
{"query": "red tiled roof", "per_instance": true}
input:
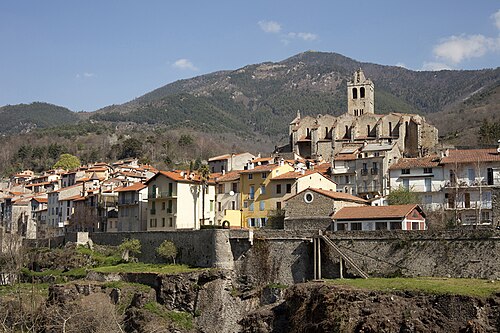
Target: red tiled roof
{"points": [[229, 176], [471, 155], [41, 200], [260, 168], [262, 159], [421, 162], [295, 174], [219, 158], [345, 157], [176, 176], [374, 212], [134, 187]]}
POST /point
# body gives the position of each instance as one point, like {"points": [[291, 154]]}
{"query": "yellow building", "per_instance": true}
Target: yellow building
{"points": [[264, 189]]}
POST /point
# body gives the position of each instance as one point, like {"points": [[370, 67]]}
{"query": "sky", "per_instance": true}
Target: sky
{"points": [[85, 55]]}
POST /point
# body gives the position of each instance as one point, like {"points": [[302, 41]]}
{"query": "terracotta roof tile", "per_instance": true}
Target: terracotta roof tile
{"points": [[229, 176], [261, 168], [471, 155], [295, 174], [421, 162], [374, 212], [134, 187]]}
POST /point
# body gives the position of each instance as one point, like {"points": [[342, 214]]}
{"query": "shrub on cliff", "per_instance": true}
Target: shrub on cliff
{"points": [[129, 247], [167, 250]]}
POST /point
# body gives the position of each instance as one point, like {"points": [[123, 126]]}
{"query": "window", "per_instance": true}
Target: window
{"points": [[405, 171], [354, 93], [263, 221], [251, 222], [163, 222], [250, 208], [250, 176], [245, 204], [278, 189], [428, 199], [211, 205], [163, 205], [406, 184], [341, 226], [485, 217], [220, 189], [427, 170], [170, 189], [263, 175], [346, 179], [234, 187], [169, 208], [170, 222], [471, 174], [288, 188], [262, 205], [415, 226], [362, 92], [380, 225], [252, 192], [262, 189], [356, 226], [278, 205], [427, 185], [219, 206], [395, 225], [233, 205]]}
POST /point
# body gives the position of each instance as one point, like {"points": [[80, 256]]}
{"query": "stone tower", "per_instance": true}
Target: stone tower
{"points": [[360, 95]]}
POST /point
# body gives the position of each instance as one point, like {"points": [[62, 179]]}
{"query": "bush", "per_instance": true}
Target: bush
{"points": [[129, 247], [167, 250]]}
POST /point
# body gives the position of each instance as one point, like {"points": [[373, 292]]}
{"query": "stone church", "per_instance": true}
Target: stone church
{"points": [[324, 136]]}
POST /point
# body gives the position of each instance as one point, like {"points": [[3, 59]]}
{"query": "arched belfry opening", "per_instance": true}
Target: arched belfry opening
{"points": [[360, 95]]}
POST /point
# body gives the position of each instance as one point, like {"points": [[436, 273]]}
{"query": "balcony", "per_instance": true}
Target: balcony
{"points": [[364, 172], [470, 205], [374, 171], [152, 211]]}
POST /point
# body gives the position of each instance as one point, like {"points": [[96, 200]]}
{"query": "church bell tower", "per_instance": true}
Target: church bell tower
{"points": [[360, 95]]}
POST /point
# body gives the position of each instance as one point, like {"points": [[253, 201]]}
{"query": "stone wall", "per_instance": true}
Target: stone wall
{"points": [[200, 248]]}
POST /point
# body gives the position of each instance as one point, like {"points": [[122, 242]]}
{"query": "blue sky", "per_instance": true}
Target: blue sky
{"points": [[85, 55]]}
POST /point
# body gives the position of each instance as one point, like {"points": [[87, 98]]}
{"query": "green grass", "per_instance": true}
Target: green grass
{"points": [[179, 318], [25, 289], [101, 259], [467, 287], [145, 268]]}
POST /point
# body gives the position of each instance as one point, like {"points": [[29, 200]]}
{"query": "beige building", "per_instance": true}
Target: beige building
{"points": [[229, 162], [228, 199], [175, 201], [132, 208], [324, 136]]}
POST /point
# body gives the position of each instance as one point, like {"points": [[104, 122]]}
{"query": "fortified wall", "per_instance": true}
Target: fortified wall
{"points": [[286, 256]]}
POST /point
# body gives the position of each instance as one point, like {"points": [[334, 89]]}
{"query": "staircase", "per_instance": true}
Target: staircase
{"points": [[348, 260]]}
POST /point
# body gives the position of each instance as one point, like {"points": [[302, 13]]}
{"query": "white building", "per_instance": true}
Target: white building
{"points": [[132, 208], [423, 175], [229, 162], [175, 201]]}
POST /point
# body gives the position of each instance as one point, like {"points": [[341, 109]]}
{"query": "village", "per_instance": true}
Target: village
{"points": [[335, 173]]}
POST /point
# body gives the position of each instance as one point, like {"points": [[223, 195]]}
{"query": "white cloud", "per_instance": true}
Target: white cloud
{"points": [[400, 64], [496, 18], [84, 75], [307, 36], [270, 26], [434, 66], [184, 64], [456, 49]]}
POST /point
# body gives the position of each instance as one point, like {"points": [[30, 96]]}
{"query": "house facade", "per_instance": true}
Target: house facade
{"points": [[175, 201], [424, 176], [228, 198], [229, 162], [470, 176], [370, 218], [132, 208]]}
